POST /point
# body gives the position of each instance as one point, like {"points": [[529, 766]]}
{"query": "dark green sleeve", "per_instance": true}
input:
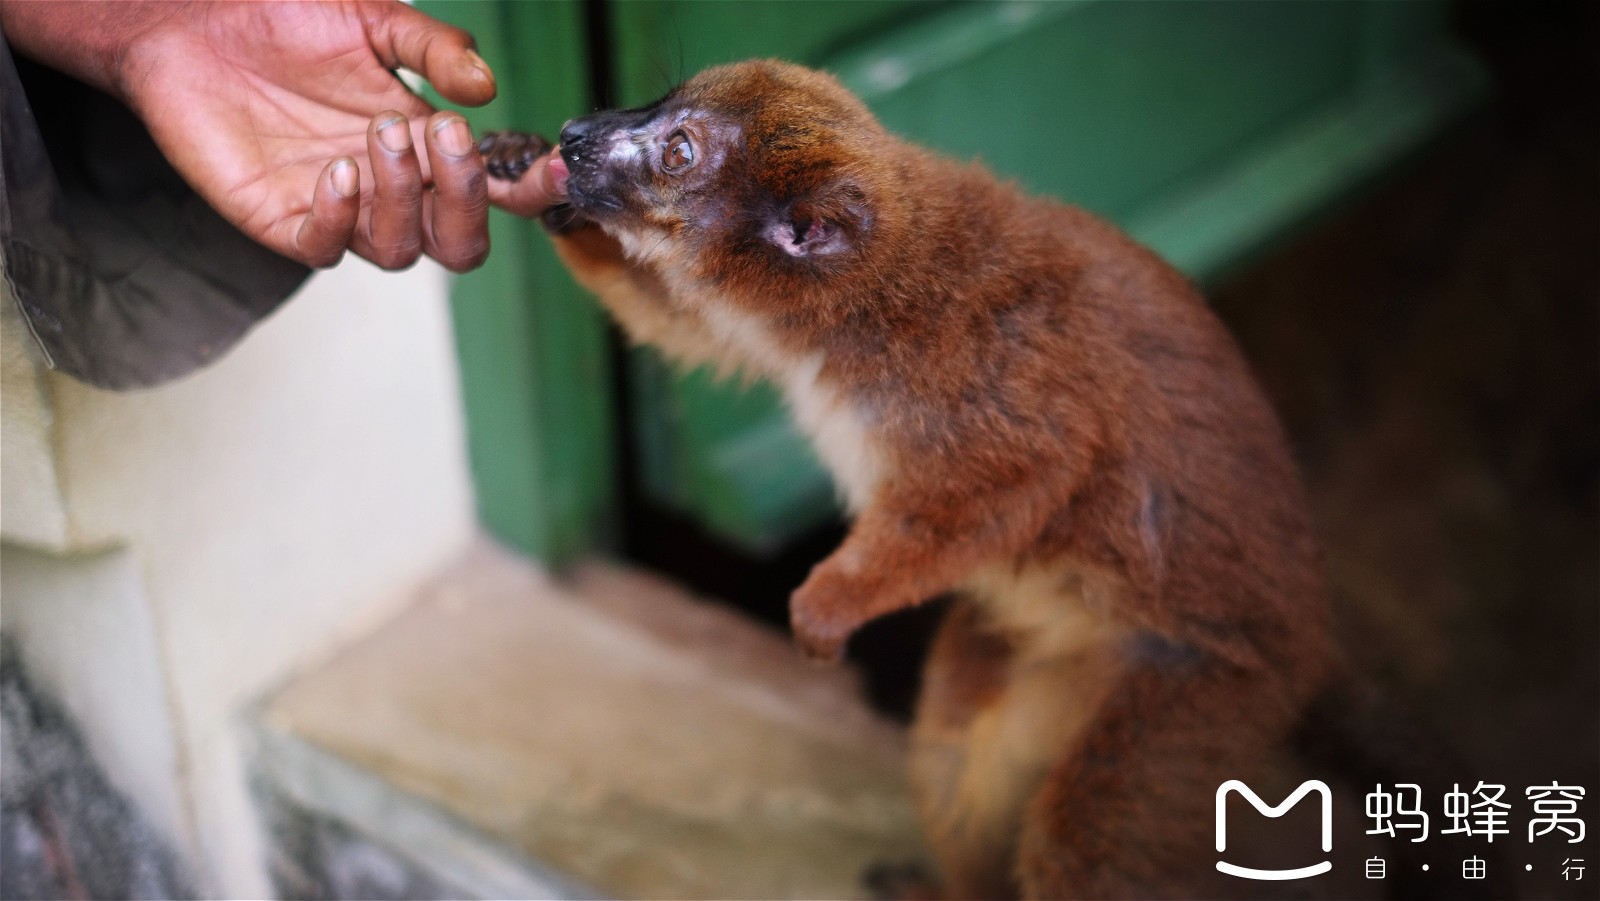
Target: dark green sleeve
{"points": [[126, 278]]}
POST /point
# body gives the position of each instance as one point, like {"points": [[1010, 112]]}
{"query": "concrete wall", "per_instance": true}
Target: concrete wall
{"points": [[170, 554]]}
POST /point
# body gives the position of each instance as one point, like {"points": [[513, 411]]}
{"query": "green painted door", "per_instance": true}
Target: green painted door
{"points": [[536, 374], [1206, 128]]}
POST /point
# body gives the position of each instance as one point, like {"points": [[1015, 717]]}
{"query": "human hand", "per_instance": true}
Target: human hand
{"points": [[283, 115]]}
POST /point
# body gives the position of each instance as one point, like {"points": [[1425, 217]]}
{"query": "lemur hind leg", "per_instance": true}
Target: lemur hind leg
{"points": [[991, 721], [1129, 811]]}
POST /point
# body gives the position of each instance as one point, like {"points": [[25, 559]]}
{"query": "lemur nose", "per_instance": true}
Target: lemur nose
{"points": [[574, 132]]}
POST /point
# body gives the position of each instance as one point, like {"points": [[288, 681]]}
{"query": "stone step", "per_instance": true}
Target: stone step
{"points": [[602, 735]]}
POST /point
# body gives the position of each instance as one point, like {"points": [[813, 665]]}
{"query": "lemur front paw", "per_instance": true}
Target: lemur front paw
{"points": [[510, 154], [825, 611]]}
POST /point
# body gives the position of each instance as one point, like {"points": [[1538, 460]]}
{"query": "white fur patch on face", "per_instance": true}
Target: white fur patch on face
{"points": [[625, 147]]}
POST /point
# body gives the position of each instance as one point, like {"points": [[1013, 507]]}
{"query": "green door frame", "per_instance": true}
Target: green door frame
{"points": [[536, 376]]}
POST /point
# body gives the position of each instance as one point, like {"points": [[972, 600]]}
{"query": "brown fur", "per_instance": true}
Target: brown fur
{"points": [[1022, 406]]}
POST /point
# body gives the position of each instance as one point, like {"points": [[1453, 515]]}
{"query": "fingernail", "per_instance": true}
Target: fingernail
{"points": [[454, 137], [346, 179], [476, 62], [394, 134]]}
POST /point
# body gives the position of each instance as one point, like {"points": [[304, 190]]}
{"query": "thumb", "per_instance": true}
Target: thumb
{"points": [[443, 54]]}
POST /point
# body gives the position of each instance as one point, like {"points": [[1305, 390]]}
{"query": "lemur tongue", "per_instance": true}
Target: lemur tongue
{"points": [[558, 171]]}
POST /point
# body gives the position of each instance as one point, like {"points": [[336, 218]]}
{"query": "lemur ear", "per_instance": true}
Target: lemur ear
{"points": [[828, 221]]}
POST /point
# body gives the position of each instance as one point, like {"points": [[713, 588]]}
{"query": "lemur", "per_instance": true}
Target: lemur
{"points": [[1022, 407]]}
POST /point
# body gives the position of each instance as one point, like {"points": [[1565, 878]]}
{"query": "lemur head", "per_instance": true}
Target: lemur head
{"points": [[761, 168]]}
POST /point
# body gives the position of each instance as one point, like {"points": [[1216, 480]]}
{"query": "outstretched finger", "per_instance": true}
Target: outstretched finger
{"points": [[456, 219], [541, 187], [390, 232], [443, 54], [335, 205]]}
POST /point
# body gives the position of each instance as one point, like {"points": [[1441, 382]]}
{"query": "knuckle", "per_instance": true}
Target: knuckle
{"points": [[401, 182], [399, 179], [467, 184]]}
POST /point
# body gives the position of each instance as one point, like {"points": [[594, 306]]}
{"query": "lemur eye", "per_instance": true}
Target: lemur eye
{"points": [[678, 153]]}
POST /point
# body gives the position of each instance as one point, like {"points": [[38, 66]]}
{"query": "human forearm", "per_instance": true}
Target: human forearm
{"points": [[86, 40]]}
